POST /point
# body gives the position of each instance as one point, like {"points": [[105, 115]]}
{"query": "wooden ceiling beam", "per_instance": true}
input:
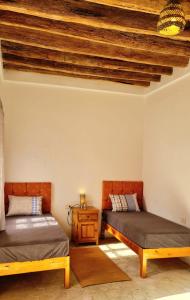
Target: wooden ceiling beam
{"points": [[114, 37], [82, 12], [149, 6], [17, 67], [87, 13], [90, 14], [74, 69], [79, 59], [74, 45]]}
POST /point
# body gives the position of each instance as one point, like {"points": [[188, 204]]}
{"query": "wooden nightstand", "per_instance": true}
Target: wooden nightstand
{"points": [[85, 225]]}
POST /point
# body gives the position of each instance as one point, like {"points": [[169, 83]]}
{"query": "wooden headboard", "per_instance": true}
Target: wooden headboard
{"points": [[121, 188], [30, 189]]}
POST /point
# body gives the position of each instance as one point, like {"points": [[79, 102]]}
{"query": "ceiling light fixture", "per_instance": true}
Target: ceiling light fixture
{"points": [[172, 19]]}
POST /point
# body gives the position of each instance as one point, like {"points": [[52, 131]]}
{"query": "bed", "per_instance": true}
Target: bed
{"points": [[148, 235], [33, 243]]}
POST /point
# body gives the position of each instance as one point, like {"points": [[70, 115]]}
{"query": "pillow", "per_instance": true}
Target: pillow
{"points": [[119, 202], [22, 205], [132, 202]]}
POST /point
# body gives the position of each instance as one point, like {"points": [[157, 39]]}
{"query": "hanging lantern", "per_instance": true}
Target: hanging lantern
{"points": [[172, 19]]}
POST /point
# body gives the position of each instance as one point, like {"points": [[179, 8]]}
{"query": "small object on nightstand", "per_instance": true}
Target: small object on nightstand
{"points": [[83, 201], [85, 225]]}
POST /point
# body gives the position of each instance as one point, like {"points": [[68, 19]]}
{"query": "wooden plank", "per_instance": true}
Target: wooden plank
{"points": [[81, 12], [74, 45], [74, 69], [38, 266], [79, 59], [150, 6], [34, 266], [124, 39], [136, 248], [17, 67], [166, 252], [87, 13]]}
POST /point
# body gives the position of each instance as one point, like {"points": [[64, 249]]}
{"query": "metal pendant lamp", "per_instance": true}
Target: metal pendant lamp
{"points": [[172, 19]]}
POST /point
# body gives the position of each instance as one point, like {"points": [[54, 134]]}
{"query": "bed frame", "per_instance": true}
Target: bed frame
{"points": [[34, 189], [130, 187]]}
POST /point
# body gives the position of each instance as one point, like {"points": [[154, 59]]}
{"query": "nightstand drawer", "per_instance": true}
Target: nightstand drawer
{"points": [[87, 217]]}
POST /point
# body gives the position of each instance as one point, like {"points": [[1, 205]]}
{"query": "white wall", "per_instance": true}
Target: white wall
{"points": [[76, 138], [166, 163], [73, 138]]}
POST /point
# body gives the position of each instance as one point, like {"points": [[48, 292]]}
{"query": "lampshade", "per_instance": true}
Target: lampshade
{"points": [[172, 19]]}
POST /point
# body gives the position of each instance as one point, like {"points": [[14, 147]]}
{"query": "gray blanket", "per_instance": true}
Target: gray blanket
{"points": [[29, 238], [148, 230]]}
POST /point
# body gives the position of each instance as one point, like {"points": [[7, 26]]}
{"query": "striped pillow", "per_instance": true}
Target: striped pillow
{"points": [[23, 205], [119, 202], [132, 202], [37, 206]]}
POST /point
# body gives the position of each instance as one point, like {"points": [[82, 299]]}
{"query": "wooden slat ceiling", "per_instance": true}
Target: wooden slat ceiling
{"points": [[112, 40]]}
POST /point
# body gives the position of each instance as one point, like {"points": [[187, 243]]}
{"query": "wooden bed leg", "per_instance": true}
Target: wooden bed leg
{"points": [[143, 265], [102, 231], [67, 274]]}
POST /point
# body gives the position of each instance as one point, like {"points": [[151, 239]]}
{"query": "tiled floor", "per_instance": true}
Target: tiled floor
{"points": [[169, 279]]}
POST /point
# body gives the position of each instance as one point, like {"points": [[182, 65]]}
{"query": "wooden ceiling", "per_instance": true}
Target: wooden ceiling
{"points": [[113, 40]]}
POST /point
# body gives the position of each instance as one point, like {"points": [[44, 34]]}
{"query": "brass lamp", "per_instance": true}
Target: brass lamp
{"points": [[83, 201], [172, 19]]}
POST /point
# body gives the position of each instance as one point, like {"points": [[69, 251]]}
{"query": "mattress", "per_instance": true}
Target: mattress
{"points": [[148, 230], [29, 238]]}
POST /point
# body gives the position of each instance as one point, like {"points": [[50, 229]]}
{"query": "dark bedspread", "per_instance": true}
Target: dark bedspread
{"points": [[29, 238], [148, 230]]}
